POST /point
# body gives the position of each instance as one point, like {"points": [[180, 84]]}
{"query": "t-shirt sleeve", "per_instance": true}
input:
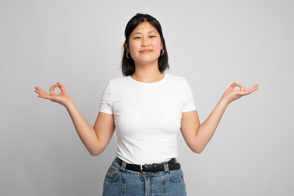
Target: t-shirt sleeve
{"points": [[105, 102], [189, 103]]}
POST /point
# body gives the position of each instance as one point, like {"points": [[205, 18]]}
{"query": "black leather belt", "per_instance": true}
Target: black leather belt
{"points": [[147, 168]]}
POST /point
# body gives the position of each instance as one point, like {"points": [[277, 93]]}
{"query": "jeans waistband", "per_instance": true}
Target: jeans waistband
{"points": [[147, 168]]}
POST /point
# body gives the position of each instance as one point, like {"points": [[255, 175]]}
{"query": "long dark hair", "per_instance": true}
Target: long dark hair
{"points": [[128, 65]]}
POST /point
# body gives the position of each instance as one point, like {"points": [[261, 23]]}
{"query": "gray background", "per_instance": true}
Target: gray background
{"points": [[210, 43]]}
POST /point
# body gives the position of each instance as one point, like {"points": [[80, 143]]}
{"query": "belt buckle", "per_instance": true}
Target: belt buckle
{"points": [[149, 166], [142, 169]]}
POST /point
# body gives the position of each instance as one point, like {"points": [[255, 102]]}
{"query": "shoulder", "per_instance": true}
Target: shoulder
{"points": [[176, 79], [118, 83], [116, 80]]}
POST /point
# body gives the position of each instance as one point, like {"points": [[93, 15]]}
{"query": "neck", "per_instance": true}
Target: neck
{"points": [[147, 73]]}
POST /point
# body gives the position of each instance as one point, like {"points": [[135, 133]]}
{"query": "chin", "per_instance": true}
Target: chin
{"points": [[146, 60]]}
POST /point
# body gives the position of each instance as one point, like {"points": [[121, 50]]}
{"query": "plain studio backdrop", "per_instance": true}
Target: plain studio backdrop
{"points": [[210, 43]]}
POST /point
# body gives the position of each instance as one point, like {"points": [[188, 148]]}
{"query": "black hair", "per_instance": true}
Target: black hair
{"points": [[128, 64]]}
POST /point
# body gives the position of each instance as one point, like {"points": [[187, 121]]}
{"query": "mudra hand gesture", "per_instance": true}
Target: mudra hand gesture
{"points": [[62, 98], [231, 95]]}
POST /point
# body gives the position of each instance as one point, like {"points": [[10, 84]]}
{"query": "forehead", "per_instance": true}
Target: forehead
{"points": [[144, 27]]}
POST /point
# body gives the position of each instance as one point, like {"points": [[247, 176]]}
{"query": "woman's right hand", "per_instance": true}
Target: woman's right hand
{"points": [[62, 98]]}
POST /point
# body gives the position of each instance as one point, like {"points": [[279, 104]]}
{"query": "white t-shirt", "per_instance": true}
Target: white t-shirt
{"points": [[147, 116]]}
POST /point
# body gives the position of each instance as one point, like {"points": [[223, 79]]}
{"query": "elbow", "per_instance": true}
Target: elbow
{"points": [[197, 151], [94, 153]]}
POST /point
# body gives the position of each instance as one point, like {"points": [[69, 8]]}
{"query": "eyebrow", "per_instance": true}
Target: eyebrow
{"points": [[140, 33]]}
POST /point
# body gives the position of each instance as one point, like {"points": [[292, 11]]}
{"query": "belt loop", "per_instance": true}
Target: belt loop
{"points": [[165, 165], [123, 166]]}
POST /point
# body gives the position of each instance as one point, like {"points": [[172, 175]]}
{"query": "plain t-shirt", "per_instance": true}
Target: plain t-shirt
{"points": [[147, 116]]}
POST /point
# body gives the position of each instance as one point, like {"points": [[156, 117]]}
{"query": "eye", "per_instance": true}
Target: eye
{"points": [[136, 37], [152, 36]]}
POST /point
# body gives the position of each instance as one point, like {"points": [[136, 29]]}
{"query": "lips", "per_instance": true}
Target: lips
{"points": [[146, 51]]}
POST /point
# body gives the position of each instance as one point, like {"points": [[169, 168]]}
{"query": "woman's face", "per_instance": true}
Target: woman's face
{"points": [[144, 44]]}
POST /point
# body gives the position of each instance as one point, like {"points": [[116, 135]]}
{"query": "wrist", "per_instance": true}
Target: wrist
{"points": [[69, 104], [224, 102]]}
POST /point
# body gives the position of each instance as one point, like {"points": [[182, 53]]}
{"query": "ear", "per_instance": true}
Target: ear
{"points": [[126, 45], [162, 44]]}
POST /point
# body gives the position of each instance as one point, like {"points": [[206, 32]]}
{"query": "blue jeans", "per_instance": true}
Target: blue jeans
{"points": [[120, 181]]}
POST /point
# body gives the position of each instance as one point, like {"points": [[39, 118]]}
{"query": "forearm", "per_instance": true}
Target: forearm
{"points": [[208, 127], [85, 131]]}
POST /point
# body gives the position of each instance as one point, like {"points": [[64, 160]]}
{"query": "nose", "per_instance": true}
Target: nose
{"points": [[145, 42]]}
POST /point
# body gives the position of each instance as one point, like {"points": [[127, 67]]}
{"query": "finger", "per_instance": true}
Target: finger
{"points": [[255, 85], [61, 86], [38, 91], [242, 88], [41, 92], [251, 90], [44, 96], [38, 88], [51, 90], [255, 89], [232, 86], [244, 93]]}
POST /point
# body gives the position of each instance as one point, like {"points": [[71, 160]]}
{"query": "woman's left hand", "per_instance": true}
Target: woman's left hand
{"points": [[231, 95]]}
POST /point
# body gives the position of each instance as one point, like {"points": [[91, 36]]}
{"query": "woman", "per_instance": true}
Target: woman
{"points": [[147, 107]]}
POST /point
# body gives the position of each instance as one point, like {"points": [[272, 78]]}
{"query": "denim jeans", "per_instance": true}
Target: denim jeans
{"points": [[120, 181]]}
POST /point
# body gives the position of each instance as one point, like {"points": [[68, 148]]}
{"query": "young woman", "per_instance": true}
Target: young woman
{"points": [[147, 107]]}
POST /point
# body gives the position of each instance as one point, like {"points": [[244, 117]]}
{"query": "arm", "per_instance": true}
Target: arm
{"points": [[94, 138], [197, 136], [85, 131], [207, 128]]}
